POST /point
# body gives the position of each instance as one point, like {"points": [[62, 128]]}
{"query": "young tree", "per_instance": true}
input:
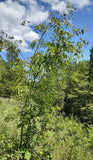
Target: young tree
{"points": [[44, 94]]}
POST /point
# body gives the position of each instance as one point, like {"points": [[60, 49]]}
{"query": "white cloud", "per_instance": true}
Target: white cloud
{"points": [[30, 36], [36, 16], [13, 13], [10, 14], [34, 12], [50, 1], [56, 4], [61, 6], [81, 3]]}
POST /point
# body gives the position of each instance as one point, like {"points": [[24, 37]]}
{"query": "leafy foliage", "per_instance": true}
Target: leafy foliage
{"points": [[51, 87], [62, 138]]}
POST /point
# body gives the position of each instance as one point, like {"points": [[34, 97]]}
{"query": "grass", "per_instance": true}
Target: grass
{"points": [[68, 140], [8, 124]]}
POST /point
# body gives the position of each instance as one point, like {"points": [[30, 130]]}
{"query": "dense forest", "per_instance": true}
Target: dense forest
{"points": [[46, 102]]}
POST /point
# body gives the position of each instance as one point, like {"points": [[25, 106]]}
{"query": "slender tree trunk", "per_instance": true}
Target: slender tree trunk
{"points": [[21, 137]]}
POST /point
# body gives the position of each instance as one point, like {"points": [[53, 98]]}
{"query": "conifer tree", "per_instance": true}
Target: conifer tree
{"points": [[91, 65]]}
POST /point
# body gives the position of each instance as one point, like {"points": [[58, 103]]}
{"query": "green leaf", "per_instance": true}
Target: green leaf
{"points": [[27, 155]]}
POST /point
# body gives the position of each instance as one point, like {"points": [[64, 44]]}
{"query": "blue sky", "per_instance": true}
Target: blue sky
{"points": [[13, 12], [84, 18]]}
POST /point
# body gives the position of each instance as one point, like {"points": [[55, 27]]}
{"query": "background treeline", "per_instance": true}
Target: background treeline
{"points": [[49, 110], [74, 90]]}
